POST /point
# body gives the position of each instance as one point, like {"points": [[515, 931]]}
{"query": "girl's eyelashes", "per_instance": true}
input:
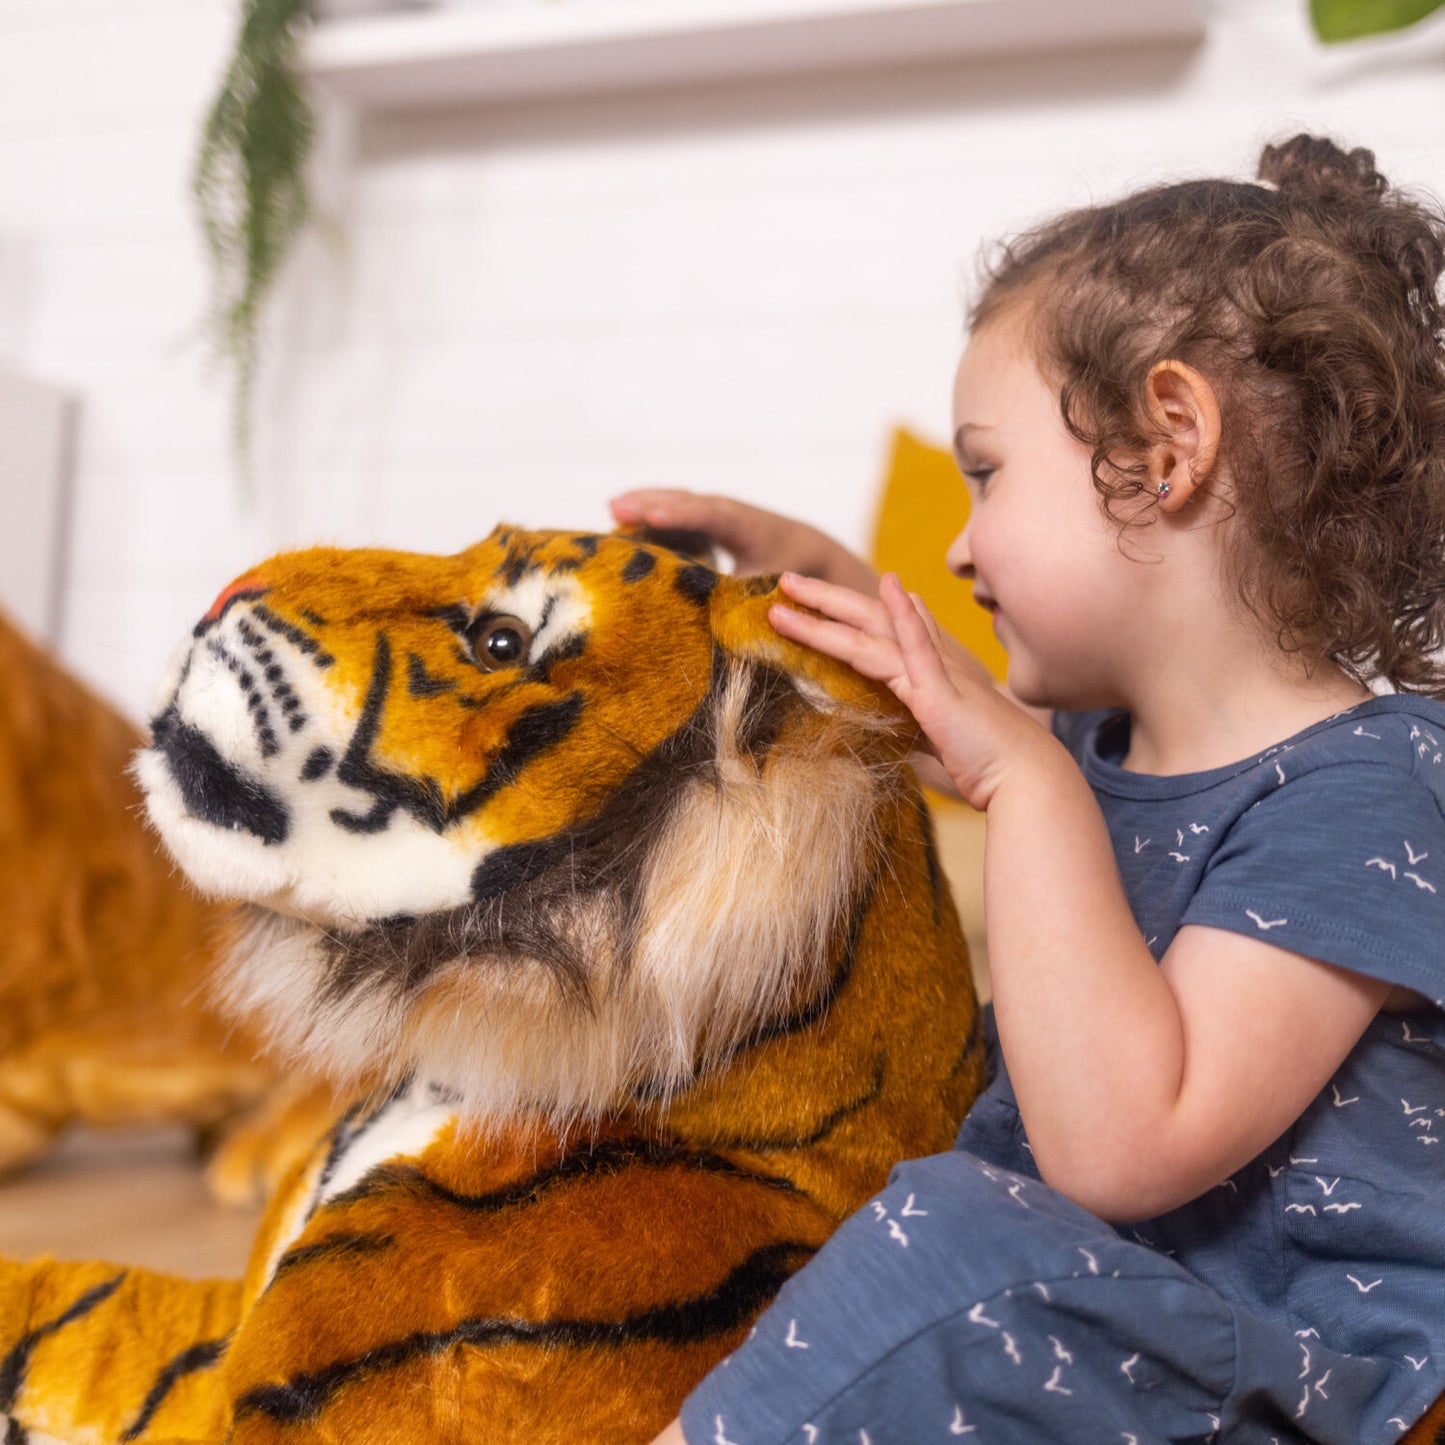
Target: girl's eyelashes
{"points": [[978, 477]]}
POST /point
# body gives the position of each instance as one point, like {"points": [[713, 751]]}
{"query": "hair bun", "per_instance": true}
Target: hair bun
{"points": [[1311, 165]]}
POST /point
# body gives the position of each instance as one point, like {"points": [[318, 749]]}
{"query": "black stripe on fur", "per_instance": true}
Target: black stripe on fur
{"points": [[736, 1300], [537, 729], [819, 1131], [17, 1362], [607, 1158], [336, 1246], [190, 1361]]}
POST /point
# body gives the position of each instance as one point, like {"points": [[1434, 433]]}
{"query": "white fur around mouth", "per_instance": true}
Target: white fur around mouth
{"points": [[319, 873]]}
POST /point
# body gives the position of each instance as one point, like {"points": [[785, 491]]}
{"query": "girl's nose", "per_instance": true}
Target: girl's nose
{"points": [[959, 558]]}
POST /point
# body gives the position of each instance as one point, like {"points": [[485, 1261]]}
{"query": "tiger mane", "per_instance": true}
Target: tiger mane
{"points": [[627, 956]]}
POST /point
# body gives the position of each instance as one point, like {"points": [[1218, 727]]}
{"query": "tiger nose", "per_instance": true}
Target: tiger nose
{"points": [[248, 586]]}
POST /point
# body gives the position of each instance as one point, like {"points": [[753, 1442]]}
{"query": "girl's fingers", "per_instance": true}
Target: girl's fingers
{"points": [[916, 642], [842, 604], [875, 657], [723, 520], [757, 540]]}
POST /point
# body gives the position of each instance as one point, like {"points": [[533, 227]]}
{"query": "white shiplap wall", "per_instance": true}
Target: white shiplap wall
{"points": [[524, 309]]}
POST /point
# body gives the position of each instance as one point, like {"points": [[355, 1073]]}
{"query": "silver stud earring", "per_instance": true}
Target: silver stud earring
{"points": [[1163, 490]]}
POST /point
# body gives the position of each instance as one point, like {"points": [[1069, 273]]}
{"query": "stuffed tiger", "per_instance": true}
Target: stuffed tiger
{"points": [[633, 908], [101, 946]]}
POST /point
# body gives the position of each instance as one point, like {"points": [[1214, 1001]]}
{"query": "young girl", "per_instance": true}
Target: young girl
{"points": [[1204, 1196]]}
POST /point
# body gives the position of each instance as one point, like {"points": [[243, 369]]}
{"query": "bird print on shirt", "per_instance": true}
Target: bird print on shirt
{"points": [[1262, 923], [1425, 744], [896, 1232], [1400, 873]]}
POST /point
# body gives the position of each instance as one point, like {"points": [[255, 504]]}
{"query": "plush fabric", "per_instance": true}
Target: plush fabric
{"points": [[104, 944], [631, 908]]}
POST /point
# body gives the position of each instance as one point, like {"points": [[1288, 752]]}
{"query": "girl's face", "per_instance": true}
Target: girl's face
{"points": [[1072, 610]]}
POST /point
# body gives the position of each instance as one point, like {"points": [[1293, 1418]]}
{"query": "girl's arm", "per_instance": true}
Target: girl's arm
{"points": [[672, 1435], [1140, 1086]]}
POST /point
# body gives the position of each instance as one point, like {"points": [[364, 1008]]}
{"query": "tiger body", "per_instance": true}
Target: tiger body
{"points": [[626, 913], [101, 942]]}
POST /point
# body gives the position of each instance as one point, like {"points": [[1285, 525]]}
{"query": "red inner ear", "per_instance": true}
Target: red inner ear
{"points": [[250, 584]]}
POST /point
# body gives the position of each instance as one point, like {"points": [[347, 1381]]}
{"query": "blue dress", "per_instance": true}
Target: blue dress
{"points": [[1303, 1299]]}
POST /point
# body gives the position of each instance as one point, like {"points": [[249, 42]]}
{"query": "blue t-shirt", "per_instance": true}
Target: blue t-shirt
{"points": [[1320, 845], [1332, 845], [1327, 1248]]}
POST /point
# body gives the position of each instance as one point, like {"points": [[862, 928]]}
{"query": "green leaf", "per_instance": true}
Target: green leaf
{"points": [[250, 184], [1351, 19]]}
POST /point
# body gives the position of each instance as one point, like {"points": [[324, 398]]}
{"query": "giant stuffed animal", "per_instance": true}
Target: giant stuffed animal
{"points": [[627, 913], [102, 947]]}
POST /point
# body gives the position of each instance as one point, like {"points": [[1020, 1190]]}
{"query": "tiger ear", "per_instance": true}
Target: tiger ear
{"points": [[695, 546], [741, 626]]}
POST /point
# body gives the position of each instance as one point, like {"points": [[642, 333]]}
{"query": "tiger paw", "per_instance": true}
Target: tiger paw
{"points": [[255, 1153]]}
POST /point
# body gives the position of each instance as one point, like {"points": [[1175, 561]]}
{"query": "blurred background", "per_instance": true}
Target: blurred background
{"points": [[579, 264]]}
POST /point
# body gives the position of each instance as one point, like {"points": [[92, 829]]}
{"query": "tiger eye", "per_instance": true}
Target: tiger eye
{"points": [[501, 641]]}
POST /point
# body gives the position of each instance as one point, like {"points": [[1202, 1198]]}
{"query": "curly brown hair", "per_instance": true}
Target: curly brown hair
{"points": [[1311, 303]]}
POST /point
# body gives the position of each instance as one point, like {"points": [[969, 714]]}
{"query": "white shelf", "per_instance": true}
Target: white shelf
{"points": [[477, 54]]}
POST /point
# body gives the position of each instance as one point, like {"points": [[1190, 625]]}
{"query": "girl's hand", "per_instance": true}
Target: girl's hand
{"points": [[976, 732], [757, 540]]}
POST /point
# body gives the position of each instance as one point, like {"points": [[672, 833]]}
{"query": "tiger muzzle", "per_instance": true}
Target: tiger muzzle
{"points": [[213, 789]]}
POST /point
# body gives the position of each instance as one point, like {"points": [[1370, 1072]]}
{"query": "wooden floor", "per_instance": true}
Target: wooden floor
{"points": [[133, 1197]]}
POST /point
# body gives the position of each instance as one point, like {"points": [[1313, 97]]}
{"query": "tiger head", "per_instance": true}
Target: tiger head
{"points": [[551, 820]]}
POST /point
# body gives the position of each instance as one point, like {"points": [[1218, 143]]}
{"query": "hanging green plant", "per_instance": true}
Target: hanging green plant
{"points": [[250, 185], [1353, 19]]}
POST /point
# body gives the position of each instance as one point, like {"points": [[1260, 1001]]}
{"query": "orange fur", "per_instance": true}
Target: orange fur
{"points": [[683, 981], [103, 947]]}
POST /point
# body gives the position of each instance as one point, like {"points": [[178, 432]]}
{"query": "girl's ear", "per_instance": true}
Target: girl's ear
{"points": [[1184, 414]]}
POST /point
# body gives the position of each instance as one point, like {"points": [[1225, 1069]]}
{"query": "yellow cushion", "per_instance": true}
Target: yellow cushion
{"points": [[923, 508]]}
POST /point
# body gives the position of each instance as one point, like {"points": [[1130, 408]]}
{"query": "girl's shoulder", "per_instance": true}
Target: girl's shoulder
{"points": [[1400, 731]]}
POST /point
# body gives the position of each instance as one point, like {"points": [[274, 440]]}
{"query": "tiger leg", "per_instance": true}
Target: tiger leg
{"points": [[103, 1353], [257, 1151]]}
